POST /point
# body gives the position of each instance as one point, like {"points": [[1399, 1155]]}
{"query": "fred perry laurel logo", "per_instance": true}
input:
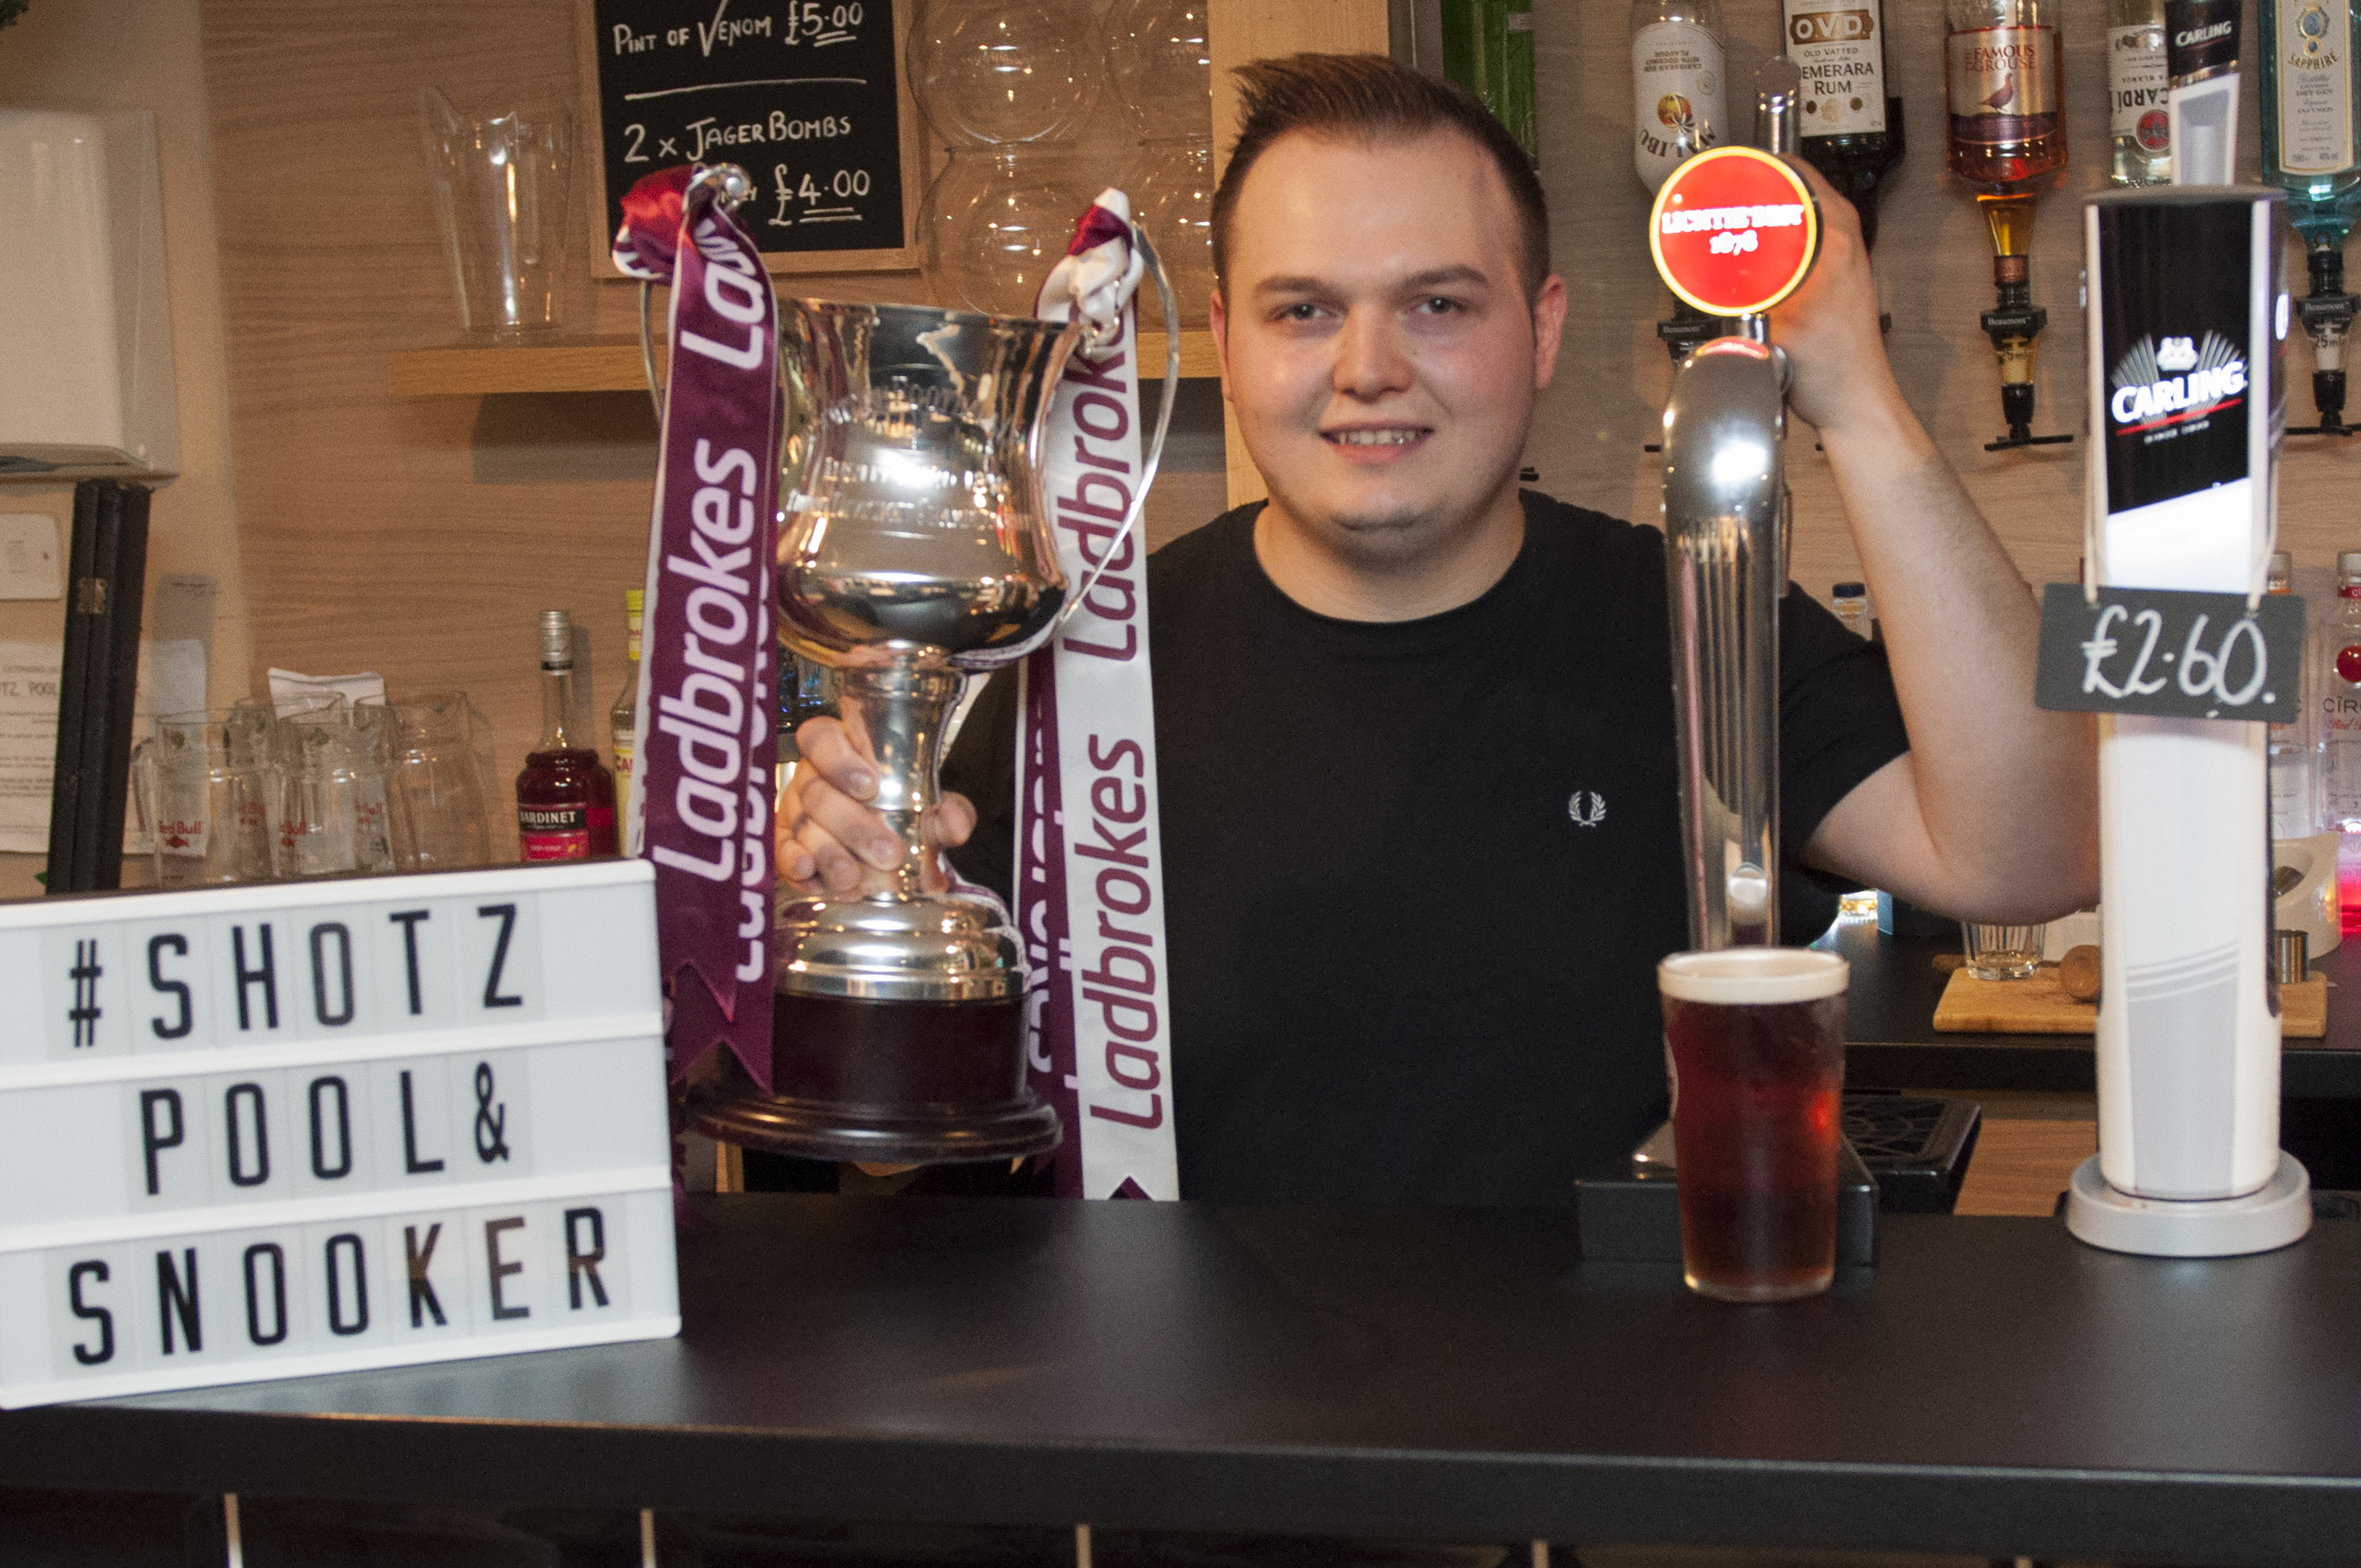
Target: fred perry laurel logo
{"points": [[1588, 807]]}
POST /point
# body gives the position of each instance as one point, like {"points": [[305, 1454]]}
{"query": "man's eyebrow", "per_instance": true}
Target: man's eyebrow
{"points": [[1417, 282], [1444, 277], [1293, 285]]}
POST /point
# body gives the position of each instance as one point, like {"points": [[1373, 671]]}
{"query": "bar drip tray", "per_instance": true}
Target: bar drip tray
{"points": [[1901, 1154]]}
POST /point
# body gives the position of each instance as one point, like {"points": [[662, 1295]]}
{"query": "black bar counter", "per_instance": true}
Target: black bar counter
{"points": [[1993, 1388]]}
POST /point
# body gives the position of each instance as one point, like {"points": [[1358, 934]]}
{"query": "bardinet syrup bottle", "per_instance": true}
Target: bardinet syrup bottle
{"points": [[2003, 73], [565, 796], [1851, 130]]}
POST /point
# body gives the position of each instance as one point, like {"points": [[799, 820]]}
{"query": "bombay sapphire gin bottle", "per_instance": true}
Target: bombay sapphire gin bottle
{"points": [[2310, 67]]}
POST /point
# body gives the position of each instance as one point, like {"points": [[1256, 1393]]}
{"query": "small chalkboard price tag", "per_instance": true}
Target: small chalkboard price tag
{"points": [[272, 1131], [805, 96], [2170, 655]]}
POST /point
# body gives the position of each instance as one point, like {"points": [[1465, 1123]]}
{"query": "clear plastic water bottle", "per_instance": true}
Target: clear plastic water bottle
{"points": [[1850, 602], [2339, 684], [2295, 813]]}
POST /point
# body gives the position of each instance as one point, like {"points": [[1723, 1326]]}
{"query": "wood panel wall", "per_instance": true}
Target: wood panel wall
{"points": [[419, 536]]}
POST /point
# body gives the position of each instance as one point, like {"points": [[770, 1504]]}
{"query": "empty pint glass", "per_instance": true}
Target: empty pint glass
{"points": [[204, 783], [1755, 1041]]}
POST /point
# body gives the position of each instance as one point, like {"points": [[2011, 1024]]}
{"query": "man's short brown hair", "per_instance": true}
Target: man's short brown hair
{"points": [[1370, 97]]}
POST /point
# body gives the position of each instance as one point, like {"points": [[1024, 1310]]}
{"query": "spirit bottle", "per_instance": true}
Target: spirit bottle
{"points": [[1519, 106], [2340, 735], [2139, 130], [2002, 74], [1487, 47], [1677, 84], [565, 796], [623, 720], [1678, 109], [1852, 130], [2294, 812], [2311, 68]]}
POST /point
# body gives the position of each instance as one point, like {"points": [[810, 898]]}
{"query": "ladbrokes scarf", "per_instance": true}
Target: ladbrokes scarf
{"points": [[706, 753], [1090, 871]]}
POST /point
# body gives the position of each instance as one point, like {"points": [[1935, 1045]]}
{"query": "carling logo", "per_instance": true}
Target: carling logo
{"points": [[2171, 380]]}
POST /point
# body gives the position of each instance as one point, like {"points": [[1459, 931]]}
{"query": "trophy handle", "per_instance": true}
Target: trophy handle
{"points": [[1163, 422]]}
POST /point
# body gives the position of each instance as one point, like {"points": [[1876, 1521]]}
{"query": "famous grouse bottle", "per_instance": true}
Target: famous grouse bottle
{"points": [[2002, 72], [1851, 130], [565, 796]]}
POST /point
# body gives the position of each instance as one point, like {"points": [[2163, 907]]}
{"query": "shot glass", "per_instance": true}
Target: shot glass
{"points": [[1755, 1040], [2002, 952]]}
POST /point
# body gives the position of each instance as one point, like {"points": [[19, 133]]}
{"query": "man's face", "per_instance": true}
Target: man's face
{"points": [[1376, 344]]}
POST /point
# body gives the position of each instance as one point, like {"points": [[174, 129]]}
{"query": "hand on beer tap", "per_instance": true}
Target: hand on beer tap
{"points": [[830, 841], [1828, 327], [1946, 824]]}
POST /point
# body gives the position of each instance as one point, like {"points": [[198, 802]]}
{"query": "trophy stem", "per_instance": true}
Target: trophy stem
{"points": [[899, 711]]}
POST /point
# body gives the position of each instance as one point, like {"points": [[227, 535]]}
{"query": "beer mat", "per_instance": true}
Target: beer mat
{"points": [[2037, 1007]]}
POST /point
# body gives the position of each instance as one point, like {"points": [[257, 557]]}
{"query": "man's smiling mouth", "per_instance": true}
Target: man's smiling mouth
{"points": [[1397, 437]]}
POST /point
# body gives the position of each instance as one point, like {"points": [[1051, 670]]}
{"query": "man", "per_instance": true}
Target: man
{"points": [[1420, 808]]}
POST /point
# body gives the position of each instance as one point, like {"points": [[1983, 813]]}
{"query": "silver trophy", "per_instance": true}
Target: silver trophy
{"points": [[916, 551]]}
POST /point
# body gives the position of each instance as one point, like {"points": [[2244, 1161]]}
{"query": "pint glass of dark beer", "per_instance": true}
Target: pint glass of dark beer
{"points": [[1755, 1039]]}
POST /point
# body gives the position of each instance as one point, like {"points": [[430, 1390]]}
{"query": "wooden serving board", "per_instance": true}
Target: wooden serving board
{"points": [[2037, 1007]]}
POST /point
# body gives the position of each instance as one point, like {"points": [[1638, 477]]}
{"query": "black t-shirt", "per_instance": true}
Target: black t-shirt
{"points": [[1419, 874]]}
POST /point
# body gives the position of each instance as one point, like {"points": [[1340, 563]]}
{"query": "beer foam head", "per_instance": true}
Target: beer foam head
{"points": [[1753, 976]]}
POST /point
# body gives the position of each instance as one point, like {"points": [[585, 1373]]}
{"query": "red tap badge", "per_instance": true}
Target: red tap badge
{"points": [[1734, 231]]}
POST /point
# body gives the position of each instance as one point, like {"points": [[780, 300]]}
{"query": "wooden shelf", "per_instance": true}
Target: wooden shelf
{"points": [[613, 365]]}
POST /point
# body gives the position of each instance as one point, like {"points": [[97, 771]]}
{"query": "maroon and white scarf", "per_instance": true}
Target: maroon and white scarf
{"points": [[707, 760], [1090, 868]]}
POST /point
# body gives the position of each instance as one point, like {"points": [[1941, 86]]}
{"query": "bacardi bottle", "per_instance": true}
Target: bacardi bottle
{"points": [[565, 796], [2311, 149], [2002, 74], [1852, 130], [2139, 131], [623, 720], [2340, 735]]}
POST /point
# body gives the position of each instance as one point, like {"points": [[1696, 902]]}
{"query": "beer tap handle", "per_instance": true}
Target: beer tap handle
{"points": [[1778, 91]]}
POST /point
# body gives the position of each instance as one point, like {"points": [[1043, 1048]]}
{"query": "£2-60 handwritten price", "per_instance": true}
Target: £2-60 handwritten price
{"points": [[2169, 653]]}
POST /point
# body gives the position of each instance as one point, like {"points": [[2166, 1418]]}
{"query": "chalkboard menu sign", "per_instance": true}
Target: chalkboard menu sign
{"points": [[804, 95]]}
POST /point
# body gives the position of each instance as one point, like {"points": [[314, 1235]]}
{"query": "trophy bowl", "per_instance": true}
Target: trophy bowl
{"points": [[914, 550]]}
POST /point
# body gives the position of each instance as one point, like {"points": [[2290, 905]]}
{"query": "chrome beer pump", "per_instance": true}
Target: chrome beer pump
{"points": [[1734, 231], [2187, 319]]}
